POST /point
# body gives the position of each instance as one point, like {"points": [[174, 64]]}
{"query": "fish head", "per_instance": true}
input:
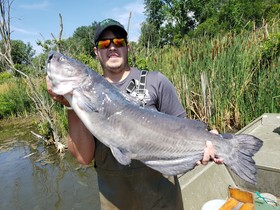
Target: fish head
{"points": [[65, 73]]}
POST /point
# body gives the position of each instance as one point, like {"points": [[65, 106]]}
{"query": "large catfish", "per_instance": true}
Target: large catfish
{"points": [[168, 144]]}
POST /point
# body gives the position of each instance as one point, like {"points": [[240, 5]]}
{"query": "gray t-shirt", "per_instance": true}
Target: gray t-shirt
{"points": [[161, 94]]}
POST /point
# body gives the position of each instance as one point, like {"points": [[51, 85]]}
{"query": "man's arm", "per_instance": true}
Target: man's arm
{"points": [[80, 141]]}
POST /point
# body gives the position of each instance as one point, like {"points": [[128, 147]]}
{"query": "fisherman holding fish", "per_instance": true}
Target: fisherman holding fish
{"points": [[133, 186]]}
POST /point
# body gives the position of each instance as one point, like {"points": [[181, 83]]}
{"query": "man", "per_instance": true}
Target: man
{"points": [[134, 186]]}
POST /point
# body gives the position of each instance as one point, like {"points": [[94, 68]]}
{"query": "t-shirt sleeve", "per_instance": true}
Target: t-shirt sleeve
{"points": [[167, 98]]}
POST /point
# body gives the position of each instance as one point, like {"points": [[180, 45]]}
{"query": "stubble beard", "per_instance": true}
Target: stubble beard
{"points": [[115, 64]]}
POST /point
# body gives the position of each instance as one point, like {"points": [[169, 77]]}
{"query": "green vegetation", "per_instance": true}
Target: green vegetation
{"points": [[170, 21], [226, 81], [14, 101], [223, 60]]}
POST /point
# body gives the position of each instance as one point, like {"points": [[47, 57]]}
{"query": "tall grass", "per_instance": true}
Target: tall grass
{"points": [[226, 81], [13, 100], [222, 81]]}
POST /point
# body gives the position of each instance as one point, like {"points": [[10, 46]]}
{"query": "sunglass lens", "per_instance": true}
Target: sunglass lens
{"points": [[104, 44], [119, 42]]}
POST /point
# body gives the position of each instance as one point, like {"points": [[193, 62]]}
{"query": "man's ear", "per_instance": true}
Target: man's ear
{"points": [[128, 47], [95, 51]]}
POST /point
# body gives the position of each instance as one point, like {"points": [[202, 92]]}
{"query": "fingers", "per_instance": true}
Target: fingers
{"points": [[48, 84], [49, 89], [54, 96], [214, 131], [209, 154], [218, 161]]}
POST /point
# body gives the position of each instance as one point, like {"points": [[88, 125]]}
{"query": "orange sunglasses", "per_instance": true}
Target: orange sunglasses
{"points": [[105, 43]]}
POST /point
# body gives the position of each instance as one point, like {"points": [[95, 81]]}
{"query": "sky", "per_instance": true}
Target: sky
{"points": [[33, 20]]}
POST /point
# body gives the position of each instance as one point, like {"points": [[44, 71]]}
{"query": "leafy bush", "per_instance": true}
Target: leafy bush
{"points": [[5, 76], [89, 61], [13, 98], [270, 48]]}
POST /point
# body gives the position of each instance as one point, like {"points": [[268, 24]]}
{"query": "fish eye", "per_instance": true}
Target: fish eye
{"points": [[61, 59]]}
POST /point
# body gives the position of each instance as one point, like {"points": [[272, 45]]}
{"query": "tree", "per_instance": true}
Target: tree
{"points": [[5, 32], [174, 19], [216, 16], [82, 39], [21, 52], [149, 36], [170, 18]]}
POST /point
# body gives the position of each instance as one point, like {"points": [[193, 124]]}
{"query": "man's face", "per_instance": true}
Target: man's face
{"points": [[112, 58]]}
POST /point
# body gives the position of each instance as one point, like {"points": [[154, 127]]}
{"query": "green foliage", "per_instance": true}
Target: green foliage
{"points": [[21, 52], [82, 39], [210, 28], [81, 43], [47, 45], [166, 21], [38, 65], [175, 19], [89, 61], [4, 77], [59, 119], [139, 61], [272, 12], [238, 89], [57, 45], [13, 98], [44, 129], [149, 35], [58, 114], [270, 48]]}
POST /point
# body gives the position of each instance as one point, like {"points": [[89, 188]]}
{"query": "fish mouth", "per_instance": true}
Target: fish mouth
{"points": [[50, 57], [48, 62]]}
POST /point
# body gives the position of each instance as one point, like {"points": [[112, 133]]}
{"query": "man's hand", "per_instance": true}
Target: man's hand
{"points": [[54, 96], [209, 153]]}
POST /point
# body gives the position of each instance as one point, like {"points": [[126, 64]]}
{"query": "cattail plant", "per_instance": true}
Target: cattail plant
{"points": [[221, 80]]}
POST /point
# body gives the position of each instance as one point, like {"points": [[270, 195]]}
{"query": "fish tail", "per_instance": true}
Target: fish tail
{"points": [[240, 160]]}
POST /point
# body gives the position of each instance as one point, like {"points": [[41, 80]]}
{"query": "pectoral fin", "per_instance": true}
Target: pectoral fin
{"points": [[84, 102], [121, 158]]}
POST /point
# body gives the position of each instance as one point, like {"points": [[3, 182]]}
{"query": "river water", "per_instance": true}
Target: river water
{"points": [[33, 176]]}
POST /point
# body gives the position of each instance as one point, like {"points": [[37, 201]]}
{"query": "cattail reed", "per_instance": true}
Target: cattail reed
{"points": [[221, 80]]}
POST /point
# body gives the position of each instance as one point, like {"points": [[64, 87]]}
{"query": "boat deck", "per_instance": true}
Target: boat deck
{"points": [[210, 182], [267, 128]]}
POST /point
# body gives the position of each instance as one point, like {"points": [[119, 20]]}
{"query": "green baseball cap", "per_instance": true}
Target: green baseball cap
{"points": [[103, 25]]}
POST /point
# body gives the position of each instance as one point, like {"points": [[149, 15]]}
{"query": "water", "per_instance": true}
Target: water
{"points": [[34, 176]]}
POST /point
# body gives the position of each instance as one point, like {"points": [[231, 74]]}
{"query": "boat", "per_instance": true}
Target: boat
{"points": [[206, 184]]}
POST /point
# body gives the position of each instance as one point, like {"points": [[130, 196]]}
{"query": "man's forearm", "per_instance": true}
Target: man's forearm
{"points": [[80, 141]]}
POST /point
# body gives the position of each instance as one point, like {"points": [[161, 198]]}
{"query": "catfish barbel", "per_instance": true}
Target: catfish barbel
{"points": [[168, 144]]}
